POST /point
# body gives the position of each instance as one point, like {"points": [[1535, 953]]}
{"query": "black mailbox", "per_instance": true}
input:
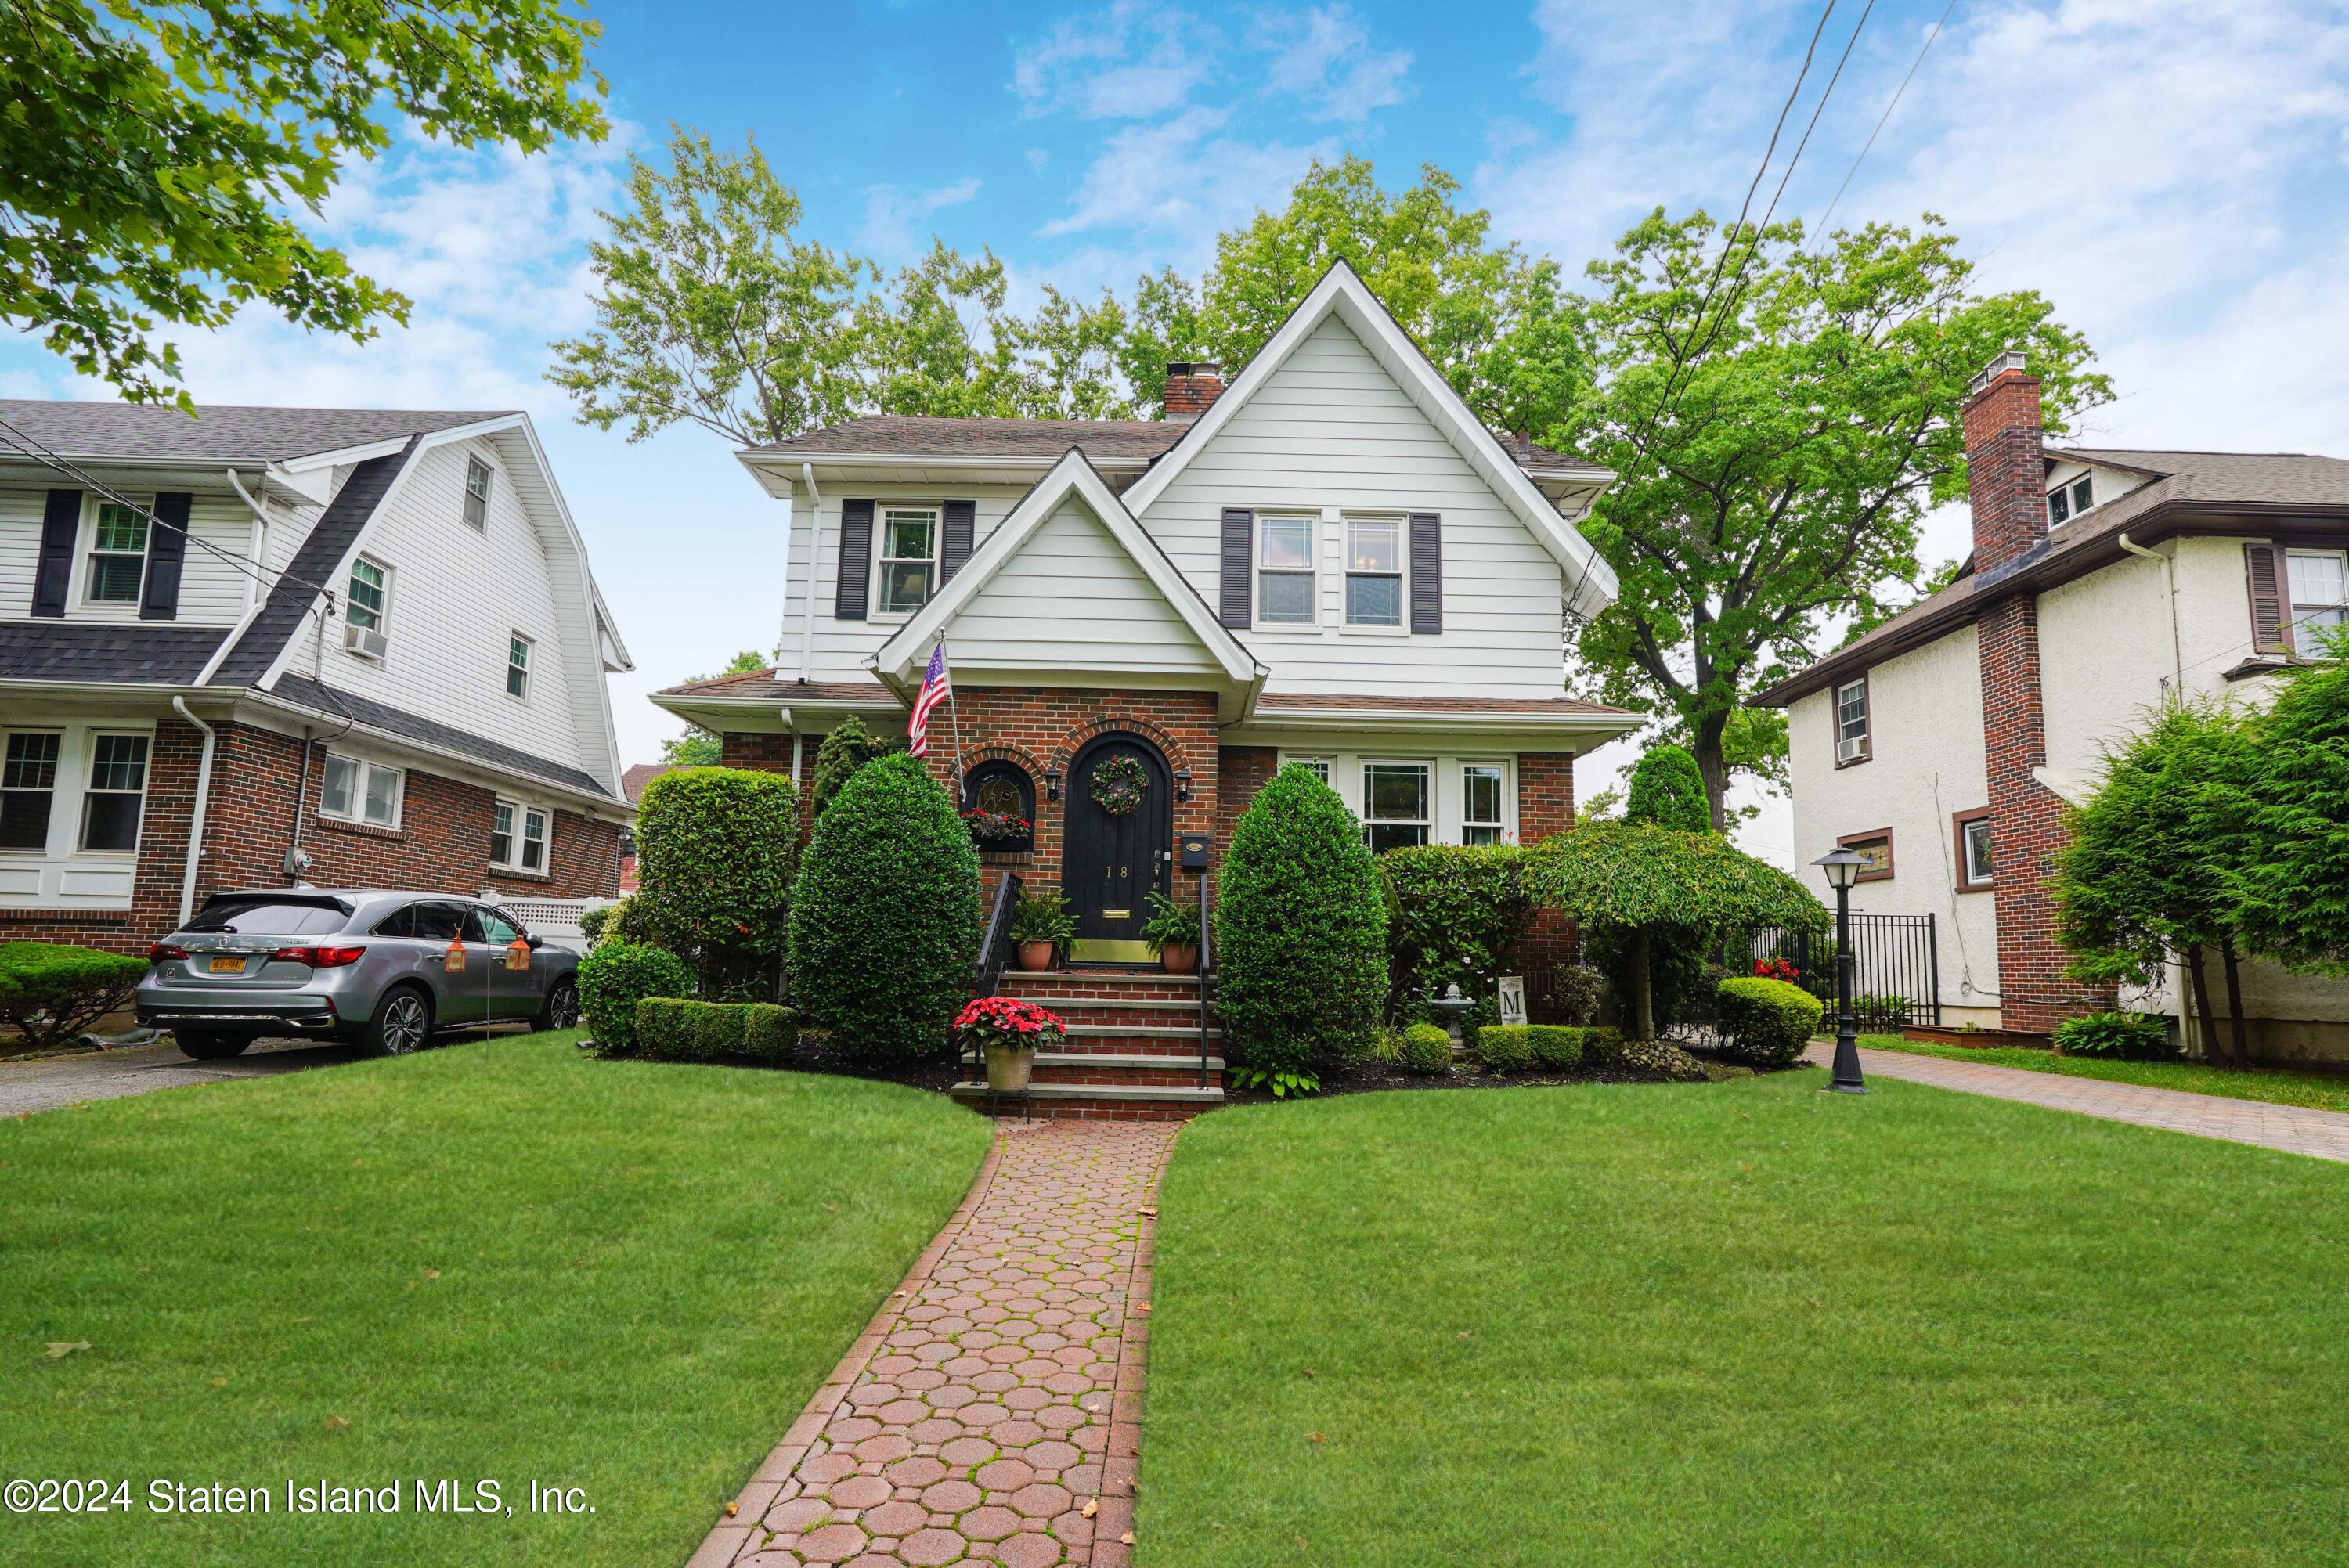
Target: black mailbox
{"points": [[1194, 852]]}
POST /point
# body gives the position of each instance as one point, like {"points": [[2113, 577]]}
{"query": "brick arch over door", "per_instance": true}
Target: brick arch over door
{"points": [[1170, 745]]}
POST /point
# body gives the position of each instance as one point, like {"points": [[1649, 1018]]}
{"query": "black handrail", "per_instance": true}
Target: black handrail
{"points": [[1207, 966], [995, 949]]}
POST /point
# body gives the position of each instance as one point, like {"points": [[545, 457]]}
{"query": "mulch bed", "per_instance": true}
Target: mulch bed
{"points": [[1365, 1079]]}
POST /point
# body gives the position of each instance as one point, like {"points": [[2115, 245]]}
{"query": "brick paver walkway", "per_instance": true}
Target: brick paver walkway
{"points": [[991, 1412], [2325, 1134]]}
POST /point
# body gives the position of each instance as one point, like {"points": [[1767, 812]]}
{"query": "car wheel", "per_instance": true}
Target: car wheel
{"points": [[209, 1045], [561, 1008], [402, 1023]]}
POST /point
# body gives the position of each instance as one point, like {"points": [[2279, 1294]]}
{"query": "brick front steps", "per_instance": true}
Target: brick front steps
{"points": [[1132, 1049]]}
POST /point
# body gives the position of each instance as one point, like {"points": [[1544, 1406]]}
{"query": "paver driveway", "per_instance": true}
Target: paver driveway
{"points": [[2299, 1129], [992, 1412]]}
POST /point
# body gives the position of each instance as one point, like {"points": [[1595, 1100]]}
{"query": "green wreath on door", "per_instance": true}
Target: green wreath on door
{"points": [[1117, 785]]}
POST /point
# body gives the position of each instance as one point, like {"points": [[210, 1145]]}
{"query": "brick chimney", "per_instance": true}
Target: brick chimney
{"points": [[1191, 386], [2006, 464]]}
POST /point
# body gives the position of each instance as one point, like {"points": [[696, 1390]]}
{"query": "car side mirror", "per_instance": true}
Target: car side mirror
{"points": [[535, 939]]}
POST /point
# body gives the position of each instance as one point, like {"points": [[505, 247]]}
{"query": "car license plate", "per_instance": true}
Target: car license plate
{"points": [[227, 965]]}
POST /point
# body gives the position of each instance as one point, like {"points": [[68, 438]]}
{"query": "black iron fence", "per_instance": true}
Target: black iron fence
{"points": [[1896, 977]]}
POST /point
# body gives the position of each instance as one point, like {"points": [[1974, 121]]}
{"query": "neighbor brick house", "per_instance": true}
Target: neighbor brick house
{"points": [[354, 645], [1329, 562], [1946, 742]]}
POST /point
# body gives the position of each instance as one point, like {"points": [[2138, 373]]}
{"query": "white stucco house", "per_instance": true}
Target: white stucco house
{"points": [[1944, 742]]}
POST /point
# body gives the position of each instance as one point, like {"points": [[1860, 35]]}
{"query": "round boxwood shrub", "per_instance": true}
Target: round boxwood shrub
{"points": [[1505, 1047], [2128, 1037], [614, 977], [1300, 931], [1768, 1022], [1426, 1050], [715, 850], [885, 923]]}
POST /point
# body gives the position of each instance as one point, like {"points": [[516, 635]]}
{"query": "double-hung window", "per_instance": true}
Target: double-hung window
{"points": [[28, 788], [518, 649], [370, 595], [2319, 598], [360, 791], [518, 837], [118, 787], [2069, 501], [909, 558], [1284, 571], [1373, 571], [1483, 801], [1851, 722], [1973, 851], [477, 494], [118, 555], [1398, 804]]}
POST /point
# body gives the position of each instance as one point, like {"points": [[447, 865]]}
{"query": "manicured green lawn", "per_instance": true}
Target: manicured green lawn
{"points": [[2277, 1086], [496, 1261], [1740, 1324]]}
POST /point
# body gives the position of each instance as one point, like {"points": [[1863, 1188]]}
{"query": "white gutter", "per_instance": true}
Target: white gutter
{"points": [[815, 535], [2170, 592], [260, 538], [196, 819]]}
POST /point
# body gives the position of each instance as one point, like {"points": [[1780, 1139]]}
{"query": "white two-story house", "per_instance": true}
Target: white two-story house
{"points": [[360, 646], [1329, 561]]}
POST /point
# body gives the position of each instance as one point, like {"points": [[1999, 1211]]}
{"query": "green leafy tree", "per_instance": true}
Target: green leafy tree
{"points": [[2147, 871], [161, 156], [697, 747], [1667, 789], [885, 923], [1777, 442], [2293, 892], [716, 851]]}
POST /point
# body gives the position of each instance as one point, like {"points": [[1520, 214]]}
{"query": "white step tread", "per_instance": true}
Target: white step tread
{"points": [[1183, 1092], [1122, 1060]]}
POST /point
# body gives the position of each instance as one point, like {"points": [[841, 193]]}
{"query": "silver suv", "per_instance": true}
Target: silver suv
{"points": [[386, 969]]}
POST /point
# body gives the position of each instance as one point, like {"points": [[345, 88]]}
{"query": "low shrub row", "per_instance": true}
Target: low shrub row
{"points": [[2123, 1037], [1766, 1021], [52, 991], [669, 1030], [614, 977], [1552, 1047]]}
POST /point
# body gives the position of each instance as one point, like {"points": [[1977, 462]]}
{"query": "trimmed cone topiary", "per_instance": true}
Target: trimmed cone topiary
{"points": [[1667, 788], [885, 921], [1300, 932]]}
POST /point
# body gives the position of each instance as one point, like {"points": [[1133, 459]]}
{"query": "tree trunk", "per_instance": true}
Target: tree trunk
{"points": [[2239, 1029], [2199, 999], [1643, 994], [1704, 745]]}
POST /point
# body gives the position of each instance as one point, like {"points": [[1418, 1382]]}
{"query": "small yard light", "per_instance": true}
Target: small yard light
{"points": [[1842, 867]]}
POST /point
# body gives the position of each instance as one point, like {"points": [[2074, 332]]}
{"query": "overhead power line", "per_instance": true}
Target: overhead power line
{"points": [[1885, 117]]}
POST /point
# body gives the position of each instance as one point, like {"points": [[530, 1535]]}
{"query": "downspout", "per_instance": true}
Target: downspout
{"points": [[815, 535], [196, 818], [260, 540], [2170, 592]]}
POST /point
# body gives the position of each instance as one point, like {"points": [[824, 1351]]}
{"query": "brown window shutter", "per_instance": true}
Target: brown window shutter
{"points": [[167, 551], [1426, 573], [53, 579], [957, 519], [1236, 600], [855, 569], [2263, 565]]}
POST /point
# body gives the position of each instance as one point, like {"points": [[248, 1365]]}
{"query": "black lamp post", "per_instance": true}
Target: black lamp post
{"points": [[1843, 867]]}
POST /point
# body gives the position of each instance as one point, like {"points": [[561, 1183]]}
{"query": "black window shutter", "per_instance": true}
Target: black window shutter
{"points": [[855, 560], [1238, 588], [954, 542], [167, 551], [2265, 572], [53, 580], [1426, 573]]}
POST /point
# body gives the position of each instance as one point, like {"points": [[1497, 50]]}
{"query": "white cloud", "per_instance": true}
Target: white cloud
{"points": [[1181, 177], [891, 215], [1323, 59], [1136, 60]]}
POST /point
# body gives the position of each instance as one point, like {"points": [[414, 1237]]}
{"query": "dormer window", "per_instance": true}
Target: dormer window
{"points": [[2069, 501], [118, 555], [477, 494], [909, 558]]}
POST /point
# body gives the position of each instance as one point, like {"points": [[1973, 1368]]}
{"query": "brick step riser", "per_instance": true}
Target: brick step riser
{"points": [[1160, 987], [1110, 1110], [1140, 1043], [1134, 1020], [1172, 1077]]}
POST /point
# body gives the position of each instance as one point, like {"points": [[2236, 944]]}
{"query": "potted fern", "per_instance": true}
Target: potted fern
{"points": [[1172, 933], [1008, 1033], [1041, 923]]}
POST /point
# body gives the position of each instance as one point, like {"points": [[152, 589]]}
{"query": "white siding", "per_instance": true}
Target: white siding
{"points": [[212, 585], [1331, 432], [1072, 598]]}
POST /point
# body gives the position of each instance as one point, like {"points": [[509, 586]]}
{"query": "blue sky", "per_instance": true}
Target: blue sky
{"points": [[2175, 175]]}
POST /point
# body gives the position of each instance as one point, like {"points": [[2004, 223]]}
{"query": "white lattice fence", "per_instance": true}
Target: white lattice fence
{"points": [[555, 917]]}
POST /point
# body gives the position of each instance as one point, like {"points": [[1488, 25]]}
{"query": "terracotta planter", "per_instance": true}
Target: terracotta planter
{"points": [[1010, 1067], [1035, 955], [1180, 957]]}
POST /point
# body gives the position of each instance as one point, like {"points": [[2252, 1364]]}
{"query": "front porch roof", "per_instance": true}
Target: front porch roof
{"points": [[763, 702], [1566, 723]]}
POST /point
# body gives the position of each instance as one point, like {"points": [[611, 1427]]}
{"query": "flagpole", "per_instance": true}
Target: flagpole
{"points": [[954, 718]]}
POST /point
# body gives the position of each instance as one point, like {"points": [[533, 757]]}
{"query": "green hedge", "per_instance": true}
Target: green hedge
{"points": [[1767, 1021], [614, 977], [1426, 1050], [52, 991], [885, 921], [669, 1030], [716, 851], [1513, 1047], [1667, 787], [1452, 911], [2131, 1037], [847, 748], [1300, 931]]}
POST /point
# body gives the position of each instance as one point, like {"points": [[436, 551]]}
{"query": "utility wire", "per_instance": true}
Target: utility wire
{"points": [[1883, 120]]}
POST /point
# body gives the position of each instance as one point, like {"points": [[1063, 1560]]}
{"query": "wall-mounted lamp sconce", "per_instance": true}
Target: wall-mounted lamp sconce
{"points": [[1182, 786], [1051, 784]]}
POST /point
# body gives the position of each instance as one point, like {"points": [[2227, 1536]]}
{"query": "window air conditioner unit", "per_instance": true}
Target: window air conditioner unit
{"points": [[1850, 746], [365, 641]]}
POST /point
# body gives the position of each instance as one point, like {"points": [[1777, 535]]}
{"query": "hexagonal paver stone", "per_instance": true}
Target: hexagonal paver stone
{"points": [[990, 1523], [1029, 1551], [858, 1491], [952, 1497], [1005, 1475], [832, 1544], [825, 1468], [899, 1518], [800, 1513], [1052, 1456], [930, 1548], [919, 1470], [967, 1451], [1042, 1500]]}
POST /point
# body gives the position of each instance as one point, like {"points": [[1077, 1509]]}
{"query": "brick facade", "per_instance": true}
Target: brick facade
{"points": [[1545, 808], [442, 844]]}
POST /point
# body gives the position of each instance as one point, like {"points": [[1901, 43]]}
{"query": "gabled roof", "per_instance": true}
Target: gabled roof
{"points": [[217, 433], [1342, 293], [902, 656], [416, 727]]}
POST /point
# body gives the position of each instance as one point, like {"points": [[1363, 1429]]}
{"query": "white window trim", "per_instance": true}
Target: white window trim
{"points": [[2072, 508], [2293, 609], [1867, 736], [383, 616], [57, 783], [1431, 822], [1966, 877], [488, 491], [878, 598], [1402, 520], [85, 554], [1311, 626], [1448, 797], [356, 816], [62, 875], [1508, 823], [89, 789], [529, 668], [515, 840]]}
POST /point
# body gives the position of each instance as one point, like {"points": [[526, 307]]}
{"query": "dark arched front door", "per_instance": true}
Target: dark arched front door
{"points": [[1112, 859]]}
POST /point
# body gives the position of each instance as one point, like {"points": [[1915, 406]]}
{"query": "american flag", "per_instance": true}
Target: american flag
{"points": [[934, 692]]}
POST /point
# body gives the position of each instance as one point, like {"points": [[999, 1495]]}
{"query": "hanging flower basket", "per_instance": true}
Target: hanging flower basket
{"points": [[1117, 785], [999, 831]]}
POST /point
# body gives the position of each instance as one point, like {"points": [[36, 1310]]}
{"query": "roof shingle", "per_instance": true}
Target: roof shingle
{"points": [[218, 433]]}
